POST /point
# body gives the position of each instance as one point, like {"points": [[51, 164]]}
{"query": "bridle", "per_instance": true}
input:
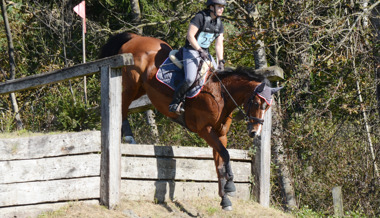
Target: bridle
{"points": [[255, 119], [248, 117]]}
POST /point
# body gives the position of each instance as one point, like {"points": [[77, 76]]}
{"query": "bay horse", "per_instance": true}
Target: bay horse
{"points": [[209, 114]]}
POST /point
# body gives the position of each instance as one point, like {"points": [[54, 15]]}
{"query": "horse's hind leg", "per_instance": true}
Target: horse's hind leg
{"points": [[131, 90], [126, 132]]}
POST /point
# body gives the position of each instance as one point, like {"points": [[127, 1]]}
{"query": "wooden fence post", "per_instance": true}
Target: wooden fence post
{"points": [[337, 200], [262, 158], [110, 170]]}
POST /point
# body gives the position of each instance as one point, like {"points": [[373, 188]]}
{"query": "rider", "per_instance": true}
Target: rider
{"points": [[205, 27]]}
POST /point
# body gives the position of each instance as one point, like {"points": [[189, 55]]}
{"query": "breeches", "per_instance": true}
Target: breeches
{"points": [[191, 62]]}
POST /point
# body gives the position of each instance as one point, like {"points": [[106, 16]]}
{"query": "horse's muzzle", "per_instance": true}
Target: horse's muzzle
{"points": [[252, 134], [252, 131]]}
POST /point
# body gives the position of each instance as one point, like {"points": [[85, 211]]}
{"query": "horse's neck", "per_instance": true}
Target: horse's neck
{"points": [[236, 92]]}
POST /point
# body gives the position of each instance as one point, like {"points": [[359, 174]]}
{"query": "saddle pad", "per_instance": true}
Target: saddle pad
{"points": [[172, 76]]}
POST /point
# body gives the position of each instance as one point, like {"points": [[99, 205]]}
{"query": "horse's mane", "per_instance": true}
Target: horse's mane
{"points": [[114, 44], [242, 71]]}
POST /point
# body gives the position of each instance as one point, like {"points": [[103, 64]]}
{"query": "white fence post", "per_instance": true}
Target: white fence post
{"points": [[338, 201], [265, 159], [110, 174]]}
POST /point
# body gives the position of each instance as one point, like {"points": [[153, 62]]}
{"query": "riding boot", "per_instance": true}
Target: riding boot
{"points": [[177, 104]]}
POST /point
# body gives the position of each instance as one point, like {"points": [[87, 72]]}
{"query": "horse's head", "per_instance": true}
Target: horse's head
{"points": [[256, 106]]}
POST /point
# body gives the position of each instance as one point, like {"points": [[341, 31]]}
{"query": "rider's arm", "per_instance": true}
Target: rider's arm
{"points": [[191, 36], [219, 49]]}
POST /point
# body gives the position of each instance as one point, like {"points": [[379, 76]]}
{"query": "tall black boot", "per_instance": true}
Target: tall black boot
{"points": [[176, 105]]}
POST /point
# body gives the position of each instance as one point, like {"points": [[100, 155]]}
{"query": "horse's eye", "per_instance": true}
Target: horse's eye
{"points": [[264, 106]]}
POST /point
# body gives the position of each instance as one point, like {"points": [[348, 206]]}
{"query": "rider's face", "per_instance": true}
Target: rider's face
{"points": [[219, 10]]}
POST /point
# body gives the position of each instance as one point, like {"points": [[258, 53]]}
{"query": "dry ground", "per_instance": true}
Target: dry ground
{"points": [[191, 208]]}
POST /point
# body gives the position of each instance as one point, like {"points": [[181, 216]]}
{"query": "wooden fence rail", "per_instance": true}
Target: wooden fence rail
{"points": [[76, 71]]}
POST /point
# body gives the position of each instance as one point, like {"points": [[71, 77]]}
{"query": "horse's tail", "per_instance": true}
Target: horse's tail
{"points": [[114, 44]]}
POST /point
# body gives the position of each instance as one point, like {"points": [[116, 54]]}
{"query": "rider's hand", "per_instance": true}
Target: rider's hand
{"points": [[221, 65], [203, 54]]}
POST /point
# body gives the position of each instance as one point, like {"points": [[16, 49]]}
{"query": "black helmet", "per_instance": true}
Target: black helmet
{"points": [[216, 2]]}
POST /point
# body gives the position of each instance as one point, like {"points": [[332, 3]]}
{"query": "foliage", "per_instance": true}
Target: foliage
{"points": [[326, 50]]}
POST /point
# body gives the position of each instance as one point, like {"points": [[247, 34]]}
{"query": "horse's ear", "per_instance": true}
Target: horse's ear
{"points": [[274, 90], [260, 88]]}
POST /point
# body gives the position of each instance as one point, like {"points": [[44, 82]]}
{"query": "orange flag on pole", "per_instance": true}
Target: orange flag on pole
{"points": [[80, 9]]}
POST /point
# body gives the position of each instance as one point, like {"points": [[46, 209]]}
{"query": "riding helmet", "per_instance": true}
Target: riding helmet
{"points": [[216, 2]]}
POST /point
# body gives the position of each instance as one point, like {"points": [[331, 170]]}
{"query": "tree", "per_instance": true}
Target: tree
{"points": [[12, 64]]}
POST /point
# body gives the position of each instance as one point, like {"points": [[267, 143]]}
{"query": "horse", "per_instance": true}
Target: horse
{"points": [[209, 114]]}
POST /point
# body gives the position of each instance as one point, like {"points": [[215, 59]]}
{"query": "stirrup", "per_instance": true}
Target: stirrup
{"points": [[177, 108]]}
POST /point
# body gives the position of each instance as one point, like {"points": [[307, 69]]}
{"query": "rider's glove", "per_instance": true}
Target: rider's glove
{"points": [[221, 65], [203, 54]]}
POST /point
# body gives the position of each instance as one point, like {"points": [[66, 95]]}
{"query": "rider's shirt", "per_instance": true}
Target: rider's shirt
{"points": [[208, 29]]}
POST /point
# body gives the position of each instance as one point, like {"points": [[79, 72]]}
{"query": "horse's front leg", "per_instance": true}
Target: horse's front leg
{"points": [[131, 91], [229, 187], [222, 164], [225, 181]]}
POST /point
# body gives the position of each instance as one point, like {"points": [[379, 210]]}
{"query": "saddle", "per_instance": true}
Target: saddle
{"points": [[171, 73]]}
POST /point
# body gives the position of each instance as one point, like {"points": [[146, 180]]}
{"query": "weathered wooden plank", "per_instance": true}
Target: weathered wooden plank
{"points": [[49, 168], [141, 104], [36, 210], [273, 73], [49, 191], [65, 74], [110, 136], [179, 169], [177, 151], [49, 145], [167, 190]]}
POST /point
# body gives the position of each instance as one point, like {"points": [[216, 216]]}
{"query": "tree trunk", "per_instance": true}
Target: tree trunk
{"points": [[152, 123], [136, 14], [12, 64], [286, 181], [260, 56]]}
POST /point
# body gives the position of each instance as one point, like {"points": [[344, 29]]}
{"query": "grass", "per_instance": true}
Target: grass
{"points": [[202, 207]]}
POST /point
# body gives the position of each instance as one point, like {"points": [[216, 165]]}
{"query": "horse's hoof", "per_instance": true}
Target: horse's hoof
{"points": [[226, 203], [129, 140], [228, 208], [231, 194]]}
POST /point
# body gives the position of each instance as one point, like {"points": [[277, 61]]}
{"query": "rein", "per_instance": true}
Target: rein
{"points": [[247, 117]]}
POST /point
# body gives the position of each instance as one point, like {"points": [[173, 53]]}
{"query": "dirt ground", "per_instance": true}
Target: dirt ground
{"points": [[179, 209]]}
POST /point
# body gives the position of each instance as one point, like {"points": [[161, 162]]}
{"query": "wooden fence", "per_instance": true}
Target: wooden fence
{"points": [[43, 172], [110, 69]]}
